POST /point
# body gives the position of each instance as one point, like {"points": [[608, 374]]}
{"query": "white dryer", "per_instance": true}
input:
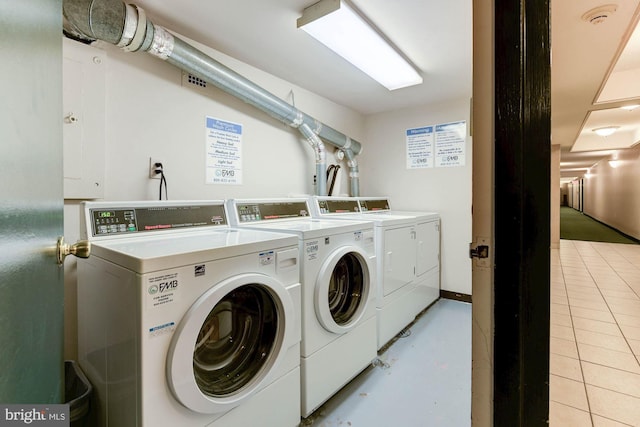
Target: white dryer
{"points": [[399, 299], [338, 276], [427, 275], [183, 321]]}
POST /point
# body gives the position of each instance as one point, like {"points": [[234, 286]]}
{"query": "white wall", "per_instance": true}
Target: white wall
{"points": [[555, 196], [150, 114], [612, 195], [444, 190]]}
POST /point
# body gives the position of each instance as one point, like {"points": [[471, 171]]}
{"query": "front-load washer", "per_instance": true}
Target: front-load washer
{"points": [[397, 295], [183, 321], [427, 275], [337, 271]]}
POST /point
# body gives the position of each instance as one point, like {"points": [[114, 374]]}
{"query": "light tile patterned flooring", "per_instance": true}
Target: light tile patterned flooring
{"points": [[595, 335]]}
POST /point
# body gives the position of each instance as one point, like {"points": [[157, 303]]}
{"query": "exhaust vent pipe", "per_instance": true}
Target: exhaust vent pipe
{"points": [[128, 27]]}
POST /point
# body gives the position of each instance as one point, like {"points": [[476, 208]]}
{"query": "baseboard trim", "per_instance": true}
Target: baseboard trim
{"points": [[457, 296]]}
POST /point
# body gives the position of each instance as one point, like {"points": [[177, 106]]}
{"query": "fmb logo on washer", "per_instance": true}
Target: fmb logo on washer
{"points": [[168, 286], [163, 284], [163, 287]]}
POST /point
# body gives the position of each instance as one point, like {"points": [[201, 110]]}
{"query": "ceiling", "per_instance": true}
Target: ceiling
{"points": [[437, 38], [592, 74]]}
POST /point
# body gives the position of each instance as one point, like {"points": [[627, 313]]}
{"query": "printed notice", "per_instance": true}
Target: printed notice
{"points": [[450, 144], [420, 147], [312, 249], [224, 152], [163, 289]]}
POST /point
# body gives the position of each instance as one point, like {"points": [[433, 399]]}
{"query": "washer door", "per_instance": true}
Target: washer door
{"points": [[342, 289], [229, 343]]}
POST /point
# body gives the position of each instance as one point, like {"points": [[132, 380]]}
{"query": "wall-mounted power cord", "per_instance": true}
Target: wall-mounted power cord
{"points": [[158, 169]]}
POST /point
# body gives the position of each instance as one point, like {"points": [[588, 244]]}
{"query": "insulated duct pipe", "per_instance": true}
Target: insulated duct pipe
{"points": [[321, 158], [354, 174], [127, 27]]}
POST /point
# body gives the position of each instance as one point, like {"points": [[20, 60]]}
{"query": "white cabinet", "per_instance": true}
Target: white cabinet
{"points": [[428, 251], [399, 263], [83, 100]]}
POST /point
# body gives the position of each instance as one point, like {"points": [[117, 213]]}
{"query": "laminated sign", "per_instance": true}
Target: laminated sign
{"points": [[223, 152], [450, 144], [442, 145]]}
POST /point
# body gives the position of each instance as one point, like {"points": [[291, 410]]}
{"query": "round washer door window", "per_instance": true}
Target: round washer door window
{"points": [[342, 290], [235, 341], [229, 343]]}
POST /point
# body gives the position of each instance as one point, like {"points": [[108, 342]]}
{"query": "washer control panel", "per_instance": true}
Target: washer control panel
{"points": [[111, 221], [338, 206], [252, 212], [372, 205]]}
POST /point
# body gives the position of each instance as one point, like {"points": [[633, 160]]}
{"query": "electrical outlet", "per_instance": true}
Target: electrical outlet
{"points": [[153, 168]]}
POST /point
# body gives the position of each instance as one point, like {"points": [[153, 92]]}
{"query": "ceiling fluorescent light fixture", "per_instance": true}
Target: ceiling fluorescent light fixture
{"points": [[606, 131], [337, 25]]}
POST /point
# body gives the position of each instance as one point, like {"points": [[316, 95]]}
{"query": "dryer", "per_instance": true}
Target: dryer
{"points": [[338, 276], [398, 298], [183, 321], [427, 275]]}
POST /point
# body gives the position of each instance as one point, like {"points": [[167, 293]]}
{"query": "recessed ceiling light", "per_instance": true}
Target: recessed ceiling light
{"points": [[615, 163], [606, 131], [630, 107]]}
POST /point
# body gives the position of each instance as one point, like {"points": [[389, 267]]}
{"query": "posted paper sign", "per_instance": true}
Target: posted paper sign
{"points": [[450, 144], [224, 152], [420, 147]]}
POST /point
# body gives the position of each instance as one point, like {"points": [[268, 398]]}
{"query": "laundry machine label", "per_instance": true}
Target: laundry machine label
{"points": [[357, 236], [163, 329], [267, 258], [162, 289], [312, 249]]}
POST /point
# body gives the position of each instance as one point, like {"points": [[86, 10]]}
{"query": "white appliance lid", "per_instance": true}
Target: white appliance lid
{"points": [[162, 251]]}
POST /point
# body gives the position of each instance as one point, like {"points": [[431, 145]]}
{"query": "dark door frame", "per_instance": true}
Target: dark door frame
{"points": [[522, 212]]}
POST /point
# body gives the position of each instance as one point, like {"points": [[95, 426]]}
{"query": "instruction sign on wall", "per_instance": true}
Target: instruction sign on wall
{"points": [[223, 152], [450, 144], [420, 147], [442, 145]]}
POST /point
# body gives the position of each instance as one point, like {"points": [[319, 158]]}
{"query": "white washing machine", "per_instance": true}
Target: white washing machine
{"points": [[183, 321], [398, 297], [427, 275], [338, 276]]}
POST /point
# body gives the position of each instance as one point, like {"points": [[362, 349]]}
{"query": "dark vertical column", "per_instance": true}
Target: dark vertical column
{"points": [[522, 212]]}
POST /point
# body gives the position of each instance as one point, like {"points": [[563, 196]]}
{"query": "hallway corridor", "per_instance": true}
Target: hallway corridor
{"points": [[595, 335]]}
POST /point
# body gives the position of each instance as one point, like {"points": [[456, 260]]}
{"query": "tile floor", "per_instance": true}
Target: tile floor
{"points": [[595, 335]]}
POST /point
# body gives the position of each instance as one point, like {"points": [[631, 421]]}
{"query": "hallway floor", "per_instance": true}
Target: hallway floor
{"points": [[595, 335]]}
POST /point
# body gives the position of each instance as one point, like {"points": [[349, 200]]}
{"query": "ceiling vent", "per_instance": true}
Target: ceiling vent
{"points": [[599, 14]]}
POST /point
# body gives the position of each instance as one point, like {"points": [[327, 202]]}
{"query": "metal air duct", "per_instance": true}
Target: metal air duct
{"points": [[128, 27]]}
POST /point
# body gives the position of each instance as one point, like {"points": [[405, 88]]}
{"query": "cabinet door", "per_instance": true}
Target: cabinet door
{"points": [[399, 261], [428, 242], [83, 120]]}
